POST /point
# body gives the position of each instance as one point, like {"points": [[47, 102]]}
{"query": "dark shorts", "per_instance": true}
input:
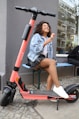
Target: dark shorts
{"points": [[37, 61]]}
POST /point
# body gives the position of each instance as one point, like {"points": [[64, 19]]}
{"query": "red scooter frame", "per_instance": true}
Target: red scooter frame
{"points": [[15, 79]]}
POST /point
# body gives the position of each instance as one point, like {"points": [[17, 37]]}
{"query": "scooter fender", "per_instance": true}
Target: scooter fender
{"points": [[71, 88], [7, 90]]}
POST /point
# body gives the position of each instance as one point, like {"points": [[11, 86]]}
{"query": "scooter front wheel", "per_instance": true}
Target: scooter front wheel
{"points": [[7, 96], [76, 93], [5, 99]]}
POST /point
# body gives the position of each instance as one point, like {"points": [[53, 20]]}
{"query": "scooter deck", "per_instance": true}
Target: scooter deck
{"points": [[43, 92], [49, 94]]}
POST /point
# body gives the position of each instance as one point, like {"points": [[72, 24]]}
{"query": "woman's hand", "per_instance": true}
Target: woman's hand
{"points": [[49, 39], [52, 36]]}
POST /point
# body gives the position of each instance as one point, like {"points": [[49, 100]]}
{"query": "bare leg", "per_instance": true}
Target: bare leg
{"points": [[49, 82], [51, 69]]}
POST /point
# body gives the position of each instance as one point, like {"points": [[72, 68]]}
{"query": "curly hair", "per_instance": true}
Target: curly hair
{"points": [[38, 28]]}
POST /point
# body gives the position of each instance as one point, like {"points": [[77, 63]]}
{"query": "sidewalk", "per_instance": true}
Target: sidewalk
{"points": [[24, 109]]}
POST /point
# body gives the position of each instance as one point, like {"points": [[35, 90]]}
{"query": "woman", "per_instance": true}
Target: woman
{"points": [[40, 55]]}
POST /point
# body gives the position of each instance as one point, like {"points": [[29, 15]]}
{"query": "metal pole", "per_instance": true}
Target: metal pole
{"points": [[78, 30], [78, 20]]}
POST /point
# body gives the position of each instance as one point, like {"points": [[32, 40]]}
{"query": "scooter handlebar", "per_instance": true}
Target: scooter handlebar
{"points": [[34, 10]]}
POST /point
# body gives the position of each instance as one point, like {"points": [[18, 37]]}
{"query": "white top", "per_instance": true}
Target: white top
{"points": [[45, 48]]}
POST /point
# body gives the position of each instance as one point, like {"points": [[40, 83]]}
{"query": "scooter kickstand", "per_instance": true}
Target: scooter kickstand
{"points": [[57, 104]]}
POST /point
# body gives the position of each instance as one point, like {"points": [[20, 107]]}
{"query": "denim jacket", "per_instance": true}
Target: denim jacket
{"points": [[36, 47]]}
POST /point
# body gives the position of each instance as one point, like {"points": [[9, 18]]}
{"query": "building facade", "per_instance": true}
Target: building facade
{"points": [[66, 28]]}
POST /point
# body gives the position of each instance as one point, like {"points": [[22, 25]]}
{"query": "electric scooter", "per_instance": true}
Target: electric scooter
{"points": [[15, 80]]}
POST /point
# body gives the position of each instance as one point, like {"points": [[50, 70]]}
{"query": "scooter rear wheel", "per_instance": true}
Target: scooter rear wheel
{"points": [[76, 93]]}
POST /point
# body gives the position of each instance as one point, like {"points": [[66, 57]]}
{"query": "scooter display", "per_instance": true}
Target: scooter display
{"points": [[15, 79]]}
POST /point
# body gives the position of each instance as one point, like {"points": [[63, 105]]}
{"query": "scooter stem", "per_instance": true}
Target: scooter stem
{"points": [[27, 33]]}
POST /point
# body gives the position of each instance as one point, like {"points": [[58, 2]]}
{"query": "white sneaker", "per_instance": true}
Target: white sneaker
{"points": [[60, 91]]}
